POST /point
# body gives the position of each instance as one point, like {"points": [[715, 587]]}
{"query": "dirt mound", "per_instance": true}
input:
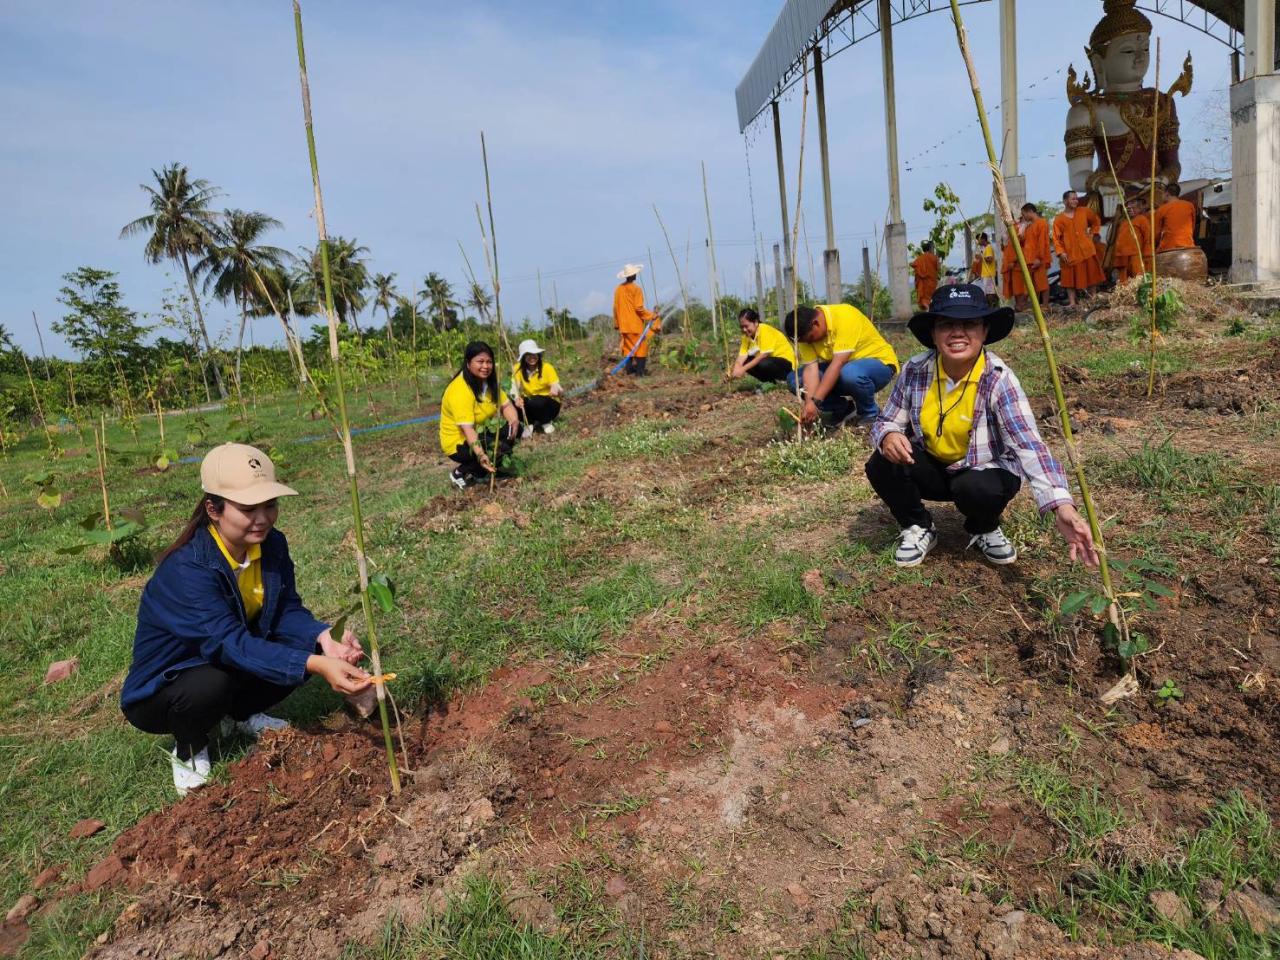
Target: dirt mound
{"points": [[1206, 309]]}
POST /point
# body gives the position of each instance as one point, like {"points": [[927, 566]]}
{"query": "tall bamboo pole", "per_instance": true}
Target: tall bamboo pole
{"points": [[35, 397], [44, 356], [1114, 611], [684, 292], [1142, 262], [795, 227], [417, 390], [1155, 150], [353, 483], [493, 239], [717, 321], [100, 454]]}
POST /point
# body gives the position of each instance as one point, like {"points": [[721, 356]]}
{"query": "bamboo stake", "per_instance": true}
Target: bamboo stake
{"points": [[1142, 262], [493, 239], [35, 397], [100, 454], [717, 322], [417, 390], [362, 566], [1155, 150], [684, 292], [40, 336], [1114, 612], [493, 475], [795, 227]]}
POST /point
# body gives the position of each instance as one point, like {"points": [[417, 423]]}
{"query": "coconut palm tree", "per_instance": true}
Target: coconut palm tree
{"points": [[385, 296], [180, 226], [232, 267], [348, 276], [443, 305], [480, 301]]}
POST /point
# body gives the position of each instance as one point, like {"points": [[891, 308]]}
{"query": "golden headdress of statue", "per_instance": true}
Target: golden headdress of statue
{"points": [[1119, 19]]}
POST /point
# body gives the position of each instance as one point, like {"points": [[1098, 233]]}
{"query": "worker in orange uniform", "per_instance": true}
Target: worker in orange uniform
{"points": [[1075, 230], [1035, 247], [630, 318], [1133, 241], [1175, 221], [926, 268]]}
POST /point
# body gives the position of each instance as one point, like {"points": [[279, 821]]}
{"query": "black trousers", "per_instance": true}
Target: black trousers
{"points": [[190, 705], [470, 463], [637, 366], [771, 370], [980, 495], [539, 410]]}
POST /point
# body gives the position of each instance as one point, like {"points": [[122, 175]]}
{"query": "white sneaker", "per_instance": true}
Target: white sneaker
{"points": [[527, 432], [253, 726], [995, 546], [914, 544], [190, 774], [548, 428]]}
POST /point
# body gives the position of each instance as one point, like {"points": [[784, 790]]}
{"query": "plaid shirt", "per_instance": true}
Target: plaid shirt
{"points": [[1004, 430]]}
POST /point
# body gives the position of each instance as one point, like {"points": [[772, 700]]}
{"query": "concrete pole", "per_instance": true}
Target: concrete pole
{"points": [[868, 285], [895, 231], [1255, 160], [759, 289], [830, 256], [1014, 183], [782, 184]]}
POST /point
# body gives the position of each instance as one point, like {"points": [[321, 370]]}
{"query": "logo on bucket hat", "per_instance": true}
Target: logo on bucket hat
{"points": [[961, 301]]}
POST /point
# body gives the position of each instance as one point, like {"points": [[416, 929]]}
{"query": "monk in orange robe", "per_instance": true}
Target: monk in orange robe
{"points": [[927, 268], [1175, 222], [1074, 233], [1012, 286], [1133, 243], [630, 318], [1035, 247]]}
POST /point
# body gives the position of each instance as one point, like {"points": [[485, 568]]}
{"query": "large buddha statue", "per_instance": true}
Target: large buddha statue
{"points": [[1113, 113]]}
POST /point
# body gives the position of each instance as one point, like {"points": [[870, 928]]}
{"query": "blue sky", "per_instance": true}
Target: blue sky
{"points": [[593, 112]]}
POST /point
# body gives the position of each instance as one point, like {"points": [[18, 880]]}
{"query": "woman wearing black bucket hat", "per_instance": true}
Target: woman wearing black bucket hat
{"points": [[957, 427]]}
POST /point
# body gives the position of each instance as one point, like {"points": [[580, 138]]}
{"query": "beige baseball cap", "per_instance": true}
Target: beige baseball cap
{"points": [[242, 474]]}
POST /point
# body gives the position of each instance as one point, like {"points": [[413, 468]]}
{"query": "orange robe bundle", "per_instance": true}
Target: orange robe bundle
{"points": [[1133, 247], [1035, 247], [927, 268], [1073, 235], [1176, 225], [630, 317]]}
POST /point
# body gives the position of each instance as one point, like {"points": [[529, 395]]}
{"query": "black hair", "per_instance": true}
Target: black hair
{"points": [[1065, 194], [927, 246], [798, 329], [1030, 206], [746, 313], [982, 237], [478, 386], [199, 517], [524, 375], [1173, 190]]}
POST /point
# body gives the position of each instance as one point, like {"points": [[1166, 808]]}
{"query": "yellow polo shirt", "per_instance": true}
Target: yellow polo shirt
{"points": [[958, 400], [768, 340], [248, 574], [458, 406], [539, 385], [848, 331]]}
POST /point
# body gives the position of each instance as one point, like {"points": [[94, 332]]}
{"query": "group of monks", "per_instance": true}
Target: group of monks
{"points": [[1076, 238]]}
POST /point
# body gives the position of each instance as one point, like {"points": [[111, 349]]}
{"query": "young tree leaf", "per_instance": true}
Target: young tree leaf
{"points": [[91, 521], [381, 591], [1074, 602], [1159, 589], [49, 498], [1098, 605]]}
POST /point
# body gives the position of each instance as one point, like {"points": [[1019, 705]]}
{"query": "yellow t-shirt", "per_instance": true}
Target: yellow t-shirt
{"points": [[769, 340], [458, 406], [958, 400], [848, 331], [989, 266], [535, 386], [248, 574]]}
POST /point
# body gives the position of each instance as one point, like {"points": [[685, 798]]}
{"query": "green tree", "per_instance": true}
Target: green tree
{"points": [[444, 306], [180, 226], [944, 205], [234, 262], [385, 296], [105, 333], [348, 275], [479, 300]]}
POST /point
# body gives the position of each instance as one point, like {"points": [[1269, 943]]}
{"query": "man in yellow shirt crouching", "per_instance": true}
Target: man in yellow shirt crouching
{"points": [[844, 362]]}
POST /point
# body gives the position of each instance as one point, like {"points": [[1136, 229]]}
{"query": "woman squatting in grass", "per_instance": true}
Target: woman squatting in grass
{"points": [[957, 427], [222, 633], [470, 401], [536, 388], [764, 352]]}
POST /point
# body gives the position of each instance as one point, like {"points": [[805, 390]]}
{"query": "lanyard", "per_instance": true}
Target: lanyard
{"points": [[942, 414]]}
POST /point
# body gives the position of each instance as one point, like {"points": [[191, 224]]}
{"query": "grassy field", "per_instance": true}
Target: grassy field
{"points": [[669, 520]]}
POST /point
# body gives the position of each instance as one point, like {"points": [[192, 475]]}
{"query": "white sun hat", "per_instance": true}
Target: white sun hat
{"points": [[528, 346], [630, 270]]}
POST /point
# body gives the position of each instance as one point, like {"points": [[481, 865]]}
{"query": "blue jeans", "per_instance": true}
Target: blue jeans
{"points": [[860, 379]]}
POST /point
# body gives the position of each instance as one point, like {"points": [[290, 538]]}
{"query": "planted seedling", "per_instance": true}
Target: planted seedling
{"points": [[1169, 692], [99, 528], [46, 483]]}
